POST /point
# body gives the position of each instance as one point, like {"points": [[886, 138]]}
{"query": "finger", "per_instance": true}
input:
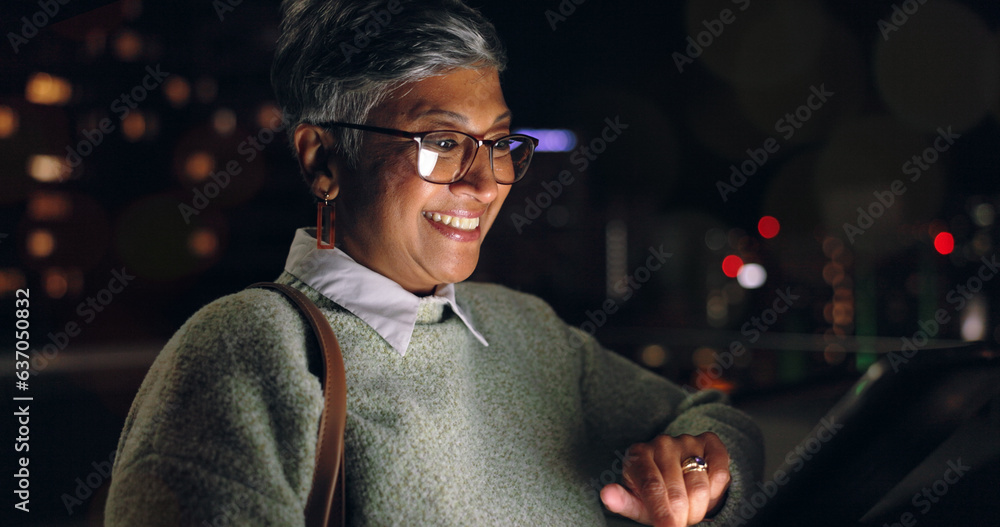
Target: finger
{"points": [[620, 501], [717, 458], [644, 479], [698, 494], [668, 457], [696, 483]]}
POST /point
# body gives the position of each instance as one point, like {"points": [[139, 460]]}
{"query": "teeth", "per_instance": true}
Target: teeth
{"points": [[465, 224]]}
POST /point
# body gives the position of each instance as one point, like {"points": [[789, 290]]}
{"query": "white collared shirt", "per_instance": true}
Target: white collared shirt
{"points": [[382, 303]]}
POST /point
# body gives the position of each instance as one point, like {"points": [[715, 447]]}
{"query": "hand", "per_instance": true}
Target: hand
{"points": [[657, 493]]}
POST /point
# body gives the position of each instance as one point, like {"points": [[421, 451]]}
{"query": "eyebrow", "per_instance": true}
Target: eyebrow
{"points": [[454, 116]]}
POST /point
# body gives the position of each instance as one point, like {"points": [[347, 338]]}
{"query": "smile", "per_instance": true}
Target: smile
{"points": [[464, 224]]}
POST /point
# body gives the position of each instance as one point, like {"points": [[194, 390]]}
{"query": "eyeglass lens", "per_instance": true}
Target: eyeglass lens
{"points": [[446, 156]]}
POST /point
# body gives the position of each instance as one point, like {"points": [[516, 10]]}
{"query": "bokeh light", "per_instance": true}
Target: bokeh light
{"points": [[95, 41], [203, 243], [768, 226], [269, 116], [48, 169], [43, 88], [717, 309], [833, 354], [134, 126], [49, 206], [944, 243], [224, 121], [843, 313], [199, 165], [128, 45], [982, 244], [177, 90], [715, 239], [703, 357], [11, 279], [983, 214], [654, 355], [9, 121], [56, 282], [975, 319], [752, 276], [833, 272], [731, 265], [40, 243]]}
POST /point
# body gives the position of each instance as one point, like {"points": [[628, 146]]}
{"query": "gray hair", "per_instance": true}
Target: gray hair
{"points": [[336, 60]]}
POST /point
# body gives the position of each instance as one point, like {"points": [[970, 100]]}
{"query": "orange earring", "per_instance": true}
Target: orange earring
{"points": [[326, 216]]}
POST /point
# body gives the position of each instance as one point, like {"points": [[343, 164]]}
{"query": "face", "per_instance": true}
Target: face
{"points": [[399, 231]]}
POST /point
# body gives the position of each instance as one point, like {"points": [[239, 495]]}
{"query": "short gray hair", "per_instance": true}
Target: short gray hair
{"points": [[336, 60]]}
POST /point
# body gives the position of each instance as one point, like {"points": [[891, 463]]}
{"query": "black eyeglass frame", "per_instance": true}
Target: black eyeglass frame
{"points": [[419, 137]]}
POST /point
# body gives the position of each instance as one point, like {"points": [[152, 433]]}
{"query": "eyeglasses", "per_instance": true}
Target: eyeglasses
{"points": [[445, 156]]}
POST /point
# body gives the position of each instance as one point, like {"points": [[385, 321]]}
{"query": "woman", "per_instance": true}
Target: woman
{"points": [[468, 404]]}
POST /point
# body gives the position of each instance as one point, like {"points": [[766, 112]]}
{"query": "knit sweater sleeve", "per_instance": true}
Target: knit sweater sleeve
{"points": [[223, 428], [624, 404]]}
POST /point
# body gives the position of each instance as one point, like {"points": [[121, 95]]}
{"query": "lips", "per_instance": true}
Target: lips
{"points": [[458, 226], [455, 222]]}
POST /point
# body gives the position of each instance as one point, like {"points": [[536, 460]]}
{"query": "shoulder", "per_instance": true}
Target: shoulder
{"points": [[245, 313], [479, 296], [501, 310], [250, 326]]}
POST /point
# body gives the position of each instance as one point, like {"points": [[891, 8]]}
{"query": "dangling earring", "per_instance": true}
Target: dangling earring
{"points": [[326, 215]]}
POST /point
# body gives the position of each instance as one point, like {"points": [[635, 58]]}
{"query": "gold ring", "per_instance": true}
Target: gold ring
{"points": [[693, 464]]}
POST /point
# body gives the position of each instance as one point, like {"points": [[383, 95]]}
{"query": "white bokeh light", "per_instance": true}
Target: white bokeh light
{"points": [[751, 276], [975, 319]]}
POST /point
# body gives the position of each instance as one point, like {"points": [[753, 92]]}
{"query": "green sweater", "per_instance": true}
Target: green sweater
{"points": [[523, 432]]}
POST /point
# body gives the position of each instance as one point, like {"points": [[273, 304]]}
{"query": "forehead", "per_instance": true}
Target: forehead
{"points": [[468, 97]]}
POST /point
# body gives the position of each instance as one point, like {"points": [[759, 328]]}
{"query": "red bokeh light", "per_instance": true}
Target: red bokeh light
{"points": [[944, 243], [768, 226], [731, 265]]}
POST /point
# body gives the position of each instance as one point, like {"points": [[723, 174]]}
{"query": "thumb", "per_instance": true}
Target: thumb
{"points": [[620, 501]]}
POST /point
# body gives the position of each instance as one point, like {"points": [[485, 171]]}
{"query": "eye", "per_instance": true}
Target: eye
{"points": [[503, 145], [443, 142], [444, 145]]}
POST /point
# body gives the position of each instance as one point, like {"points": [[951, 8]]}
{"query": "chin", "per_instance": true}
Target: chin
{"points": [[458, 273], [458, 276]]}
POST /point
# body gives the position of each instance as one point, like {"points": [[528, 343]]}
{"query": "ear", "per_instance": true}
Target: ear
{"points": [[319, 161]]}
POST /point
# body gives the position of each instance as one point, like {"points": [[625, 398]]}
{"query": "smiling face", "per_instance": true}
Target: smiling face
{"points": [[422, 234]]}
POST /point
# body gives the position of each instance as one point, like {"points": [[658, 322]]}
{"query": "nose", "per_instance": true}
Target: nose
{"points": [[479, 182]]}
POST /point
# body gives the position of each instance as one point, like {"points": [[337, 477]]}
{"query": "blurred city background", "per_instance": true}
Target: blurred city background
{"points": [[754, 195]]}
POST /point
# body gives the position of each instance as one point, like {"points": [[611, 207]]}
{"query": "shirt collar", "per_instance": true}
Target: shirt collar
{"points": [[382, 303]]}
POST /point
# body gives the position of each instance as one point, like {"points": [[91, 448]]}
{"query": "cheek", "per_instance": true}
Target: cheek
{"points": [[403, 198], [375, 190]]}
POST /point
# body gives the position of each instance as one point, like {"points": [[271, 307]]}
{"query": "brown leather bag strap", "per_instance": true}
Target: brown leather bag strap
{"points": [[325, 506]]}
